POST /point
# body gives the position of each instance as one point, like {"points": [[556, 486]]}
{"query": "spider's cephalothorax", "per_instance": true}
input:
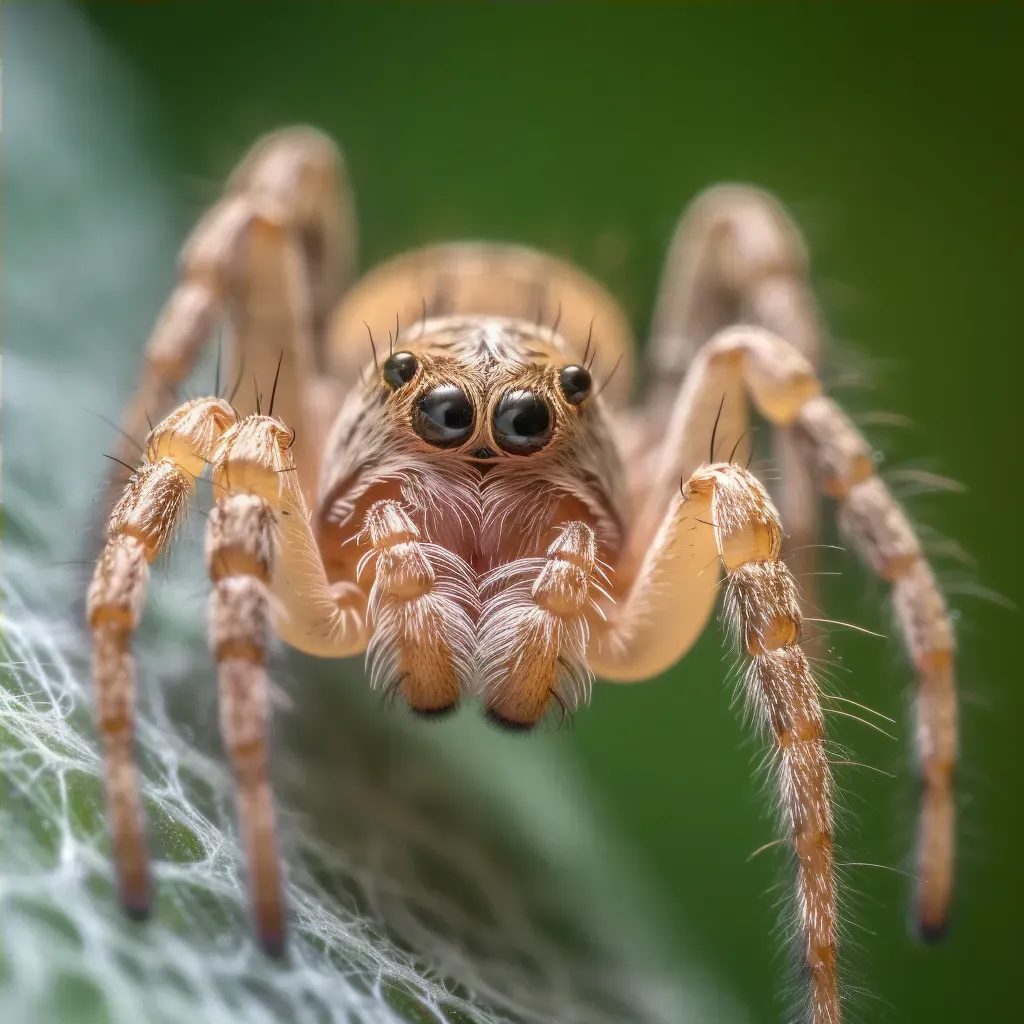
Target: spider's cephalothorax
{"points": [[490, 434], [491, 513]]}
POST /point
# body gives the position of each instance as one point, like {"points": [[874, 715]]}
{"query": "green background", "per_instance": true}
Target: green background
{"points": [[895, 136]]}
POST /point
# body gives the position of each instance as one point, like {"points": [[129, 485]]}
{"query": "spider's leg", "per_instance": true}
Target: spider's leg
{"points": [[265, 569], [300, 172], [270, 257], [724, 513], [878, 529], [151, 507], [240, 559], [786, 392], [535, 628], [422, 606], [737, 257], [783, 387]]}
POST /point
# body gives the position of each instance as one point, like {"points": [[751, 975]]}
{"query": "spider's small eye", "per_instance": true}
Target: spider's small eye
{"points": [[399, 369], [522, 423], [444, 416], [576, 383]]}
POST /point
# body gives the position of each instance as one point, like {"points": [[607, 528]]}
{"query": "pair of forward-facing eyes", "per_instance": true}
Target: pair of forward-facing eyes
{"points": [[522, 422]]}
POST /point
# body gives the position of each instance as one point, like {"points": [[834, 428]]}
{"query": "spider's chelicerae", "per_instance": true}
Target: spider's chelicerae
{"points": [[489, 519]]}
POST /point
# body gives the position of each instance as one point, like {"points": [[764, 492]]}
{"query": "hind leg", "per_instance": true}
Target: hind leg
{"points": [[270, 258], [736, 257]]}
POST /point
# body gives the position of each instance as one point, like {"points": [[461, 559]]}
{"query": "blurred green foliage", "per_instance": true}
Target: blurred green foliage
{"points": [[894, 134]]}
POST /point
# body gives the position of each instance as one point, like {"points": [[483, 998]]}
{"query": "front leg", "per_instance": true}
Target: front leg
{"points": [[266, 577], [259, 548], [724, 515], [142, 524], [535, 628]]}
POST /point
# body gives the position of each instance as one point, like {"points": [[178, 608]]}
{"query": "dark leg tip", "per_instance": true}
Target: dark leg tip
{"points": [[509, 725], [932, 932], [274, 945], [435, 714], [137, 906]]}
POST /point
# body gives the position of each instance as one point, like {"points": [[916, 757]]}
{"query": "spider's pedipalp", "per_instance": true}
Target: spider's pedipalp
{"points": [[421, 607], [534, 630], [151, 507]]}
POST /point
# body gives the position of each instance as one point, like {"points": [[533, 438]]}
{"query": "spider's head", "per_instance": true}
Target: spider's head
{"points": [[489, 427], [486, 402]]}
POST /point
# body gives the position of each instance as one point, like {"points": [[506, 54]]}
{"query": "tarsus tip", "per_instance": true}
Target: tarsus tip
{"points": [[932, 932], [274, 943], [138, 905]]}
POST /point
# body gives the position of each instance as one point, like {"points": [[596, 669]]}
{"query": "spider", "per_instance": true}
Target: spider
{"points": [[439, 479]]}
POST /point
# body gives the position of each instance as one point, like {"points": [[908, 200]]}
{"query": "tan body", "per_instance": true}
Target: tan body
{"points": [[448, 465]]}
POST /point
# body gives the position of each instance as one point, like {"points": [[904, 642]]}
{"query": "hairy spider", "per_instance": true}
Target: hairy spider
{"points": [[486, 517]]}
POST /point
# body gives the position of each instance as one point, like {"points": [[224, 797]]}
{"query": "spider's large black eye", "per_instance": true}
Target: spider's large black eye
{"points": [[399, 369], [576, 383], [522, 422], [444, 417]]}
